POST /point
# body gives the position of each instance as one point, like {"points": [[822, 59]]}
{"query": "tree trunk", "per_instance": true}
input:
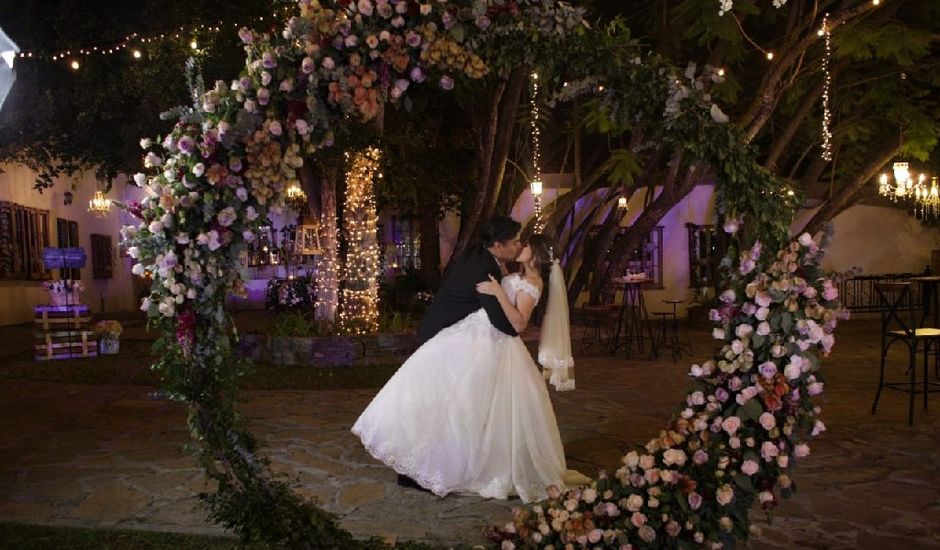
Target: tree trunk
{"points": [[493, 140], [328, 264], [772, 86], [595, 249], [780, 144], [430, 250], [647, 220], [839, 202], [581, 245]]}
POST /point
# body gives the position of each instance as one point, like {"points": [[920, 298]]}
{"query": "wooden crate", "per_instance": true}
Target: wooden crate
{"points": [[64, 344], [76, 316]]}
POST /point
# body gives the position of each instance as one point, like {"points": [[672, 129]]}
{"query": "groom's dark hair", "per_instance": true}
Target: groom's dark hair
{"points": [[500, 229]]}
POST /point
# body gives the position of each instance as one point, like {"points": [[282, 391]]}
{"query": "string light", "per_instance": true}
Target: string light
{"points": [[770, 56], [137, 54], [281, 12], [359, 307], [328, 265], [74, 64], [536, 184], [827, 114]]}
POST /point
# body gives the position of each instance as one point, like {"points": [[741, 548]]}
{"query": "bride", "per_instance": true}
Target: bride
{"points": [[469, 412]]}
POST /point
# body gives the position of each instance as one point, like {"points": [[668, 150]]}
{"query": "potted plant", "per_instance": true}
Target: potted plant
{"points": [[108, 333], [63, 291]]}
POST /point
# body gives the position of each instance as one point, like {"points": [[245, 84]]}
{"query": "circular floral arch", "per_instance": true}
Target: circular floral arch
{"points": [[214, 179]]}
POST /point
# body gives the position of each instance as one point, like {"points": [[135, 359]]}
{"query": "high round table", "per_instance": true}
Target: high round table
{"points": [[633, 319]]}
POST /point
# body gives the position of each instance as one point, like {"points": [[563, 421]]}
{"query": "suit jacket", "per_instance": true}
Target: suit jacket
{"points": [[458, 296]]}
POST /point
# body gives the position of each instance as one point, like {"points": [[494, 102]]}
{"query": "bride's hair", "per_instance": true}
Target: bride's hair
{"points": [[542, 252], [542, 249]]}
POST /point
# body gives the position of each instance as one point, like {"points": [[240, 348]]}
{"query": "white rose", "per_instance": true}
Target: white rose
{"points": [[138, 269]]}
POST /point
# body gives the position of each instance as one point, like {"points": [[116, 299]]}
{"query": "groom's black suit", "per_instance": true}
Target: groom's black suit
{"points": [[458, 296]]}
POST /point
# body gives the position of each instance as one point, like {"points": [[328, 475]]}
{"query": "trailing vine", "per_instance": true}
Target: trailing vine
{"points": [[212, 182]]}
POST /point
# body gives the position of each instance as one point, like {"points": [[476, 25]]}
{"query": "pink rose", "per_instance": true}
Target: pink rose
{"points": [[749, 467], [801, 450], [695, 500], [769, 450], [638, 519], [724, 495], [731, 424], [767, 421]]}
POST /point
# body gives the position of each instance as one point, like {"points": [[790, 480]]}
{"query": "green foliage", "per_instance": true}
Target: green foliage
{"points": [[40, 537], [405, 294], [57, 121]]}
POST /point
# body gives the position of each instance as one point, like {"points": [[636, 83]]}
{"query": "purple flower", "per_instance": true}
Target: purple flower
{"points": [[308, 65], [447, 83], [768, 369], [246, 35], [695, 500], [268, 61], [186, 145], [417, 74], [264, 96], [413, 39], [244, 83]]}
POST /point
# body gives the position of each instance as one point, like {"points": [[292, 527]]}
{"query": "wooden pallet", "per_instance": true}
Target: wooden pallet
{"points": [[64, 344], [63, 332], [76, 316]]}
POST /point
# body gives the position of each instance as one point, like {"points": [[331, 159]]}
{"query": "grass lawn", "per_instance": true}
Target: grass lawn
{"points": [[20, 536], [132, 367]]}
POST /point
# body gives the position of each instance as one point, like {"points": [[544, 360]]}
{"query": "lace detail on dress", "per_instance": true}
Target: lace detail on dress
{"points": [[515, 282], [405, 464]]}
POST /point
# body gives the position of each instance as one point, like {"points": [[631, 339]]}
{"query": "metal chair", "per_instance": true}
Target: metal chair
{"points": [[669, 334], [898, 308], [596, 322]]}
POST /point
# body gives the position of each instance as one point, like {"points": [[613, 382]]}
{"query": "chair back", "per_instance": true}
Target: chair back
{"points": [[896, 306]]}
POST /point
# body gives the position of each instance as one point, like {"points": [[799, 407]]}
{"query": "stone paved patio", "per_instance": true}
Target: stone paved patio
{"points": [[111, 456]]}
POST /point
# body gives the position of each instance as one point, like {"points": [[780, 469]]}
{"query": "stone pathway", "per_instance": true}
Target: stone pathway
{"points": [[111, 456]]}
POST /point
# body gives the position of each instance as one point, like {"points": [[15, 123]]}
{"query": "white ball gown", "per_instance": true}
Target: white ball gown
{"points": [[469, 412]]}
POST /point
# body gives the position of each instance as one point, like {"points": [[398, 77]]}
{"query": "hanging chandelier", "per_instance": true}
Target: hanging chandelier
{"points": [[295, 197], [902, 186], [99, 205], [927, 199]]}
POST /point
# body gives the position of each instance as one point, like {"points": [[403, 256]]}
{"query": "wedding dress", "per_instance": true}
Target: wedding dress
{"points": [[469, 412]]}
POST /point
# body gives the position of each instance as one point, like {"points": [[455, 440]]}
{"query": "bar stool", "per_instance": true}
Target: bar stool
{"points": [[896, 301], [668, 334], [595, 333]]}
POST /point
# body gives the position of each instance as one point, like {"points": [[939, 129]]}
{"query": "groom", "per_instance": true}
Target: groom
{"points": [[458, 296]]}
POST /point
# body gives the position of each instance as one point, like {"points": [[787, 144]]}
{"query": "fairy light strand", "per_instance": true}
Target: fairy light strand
{"points": [[827, 83], [359, 307], [134, 41], [328, 265], [536, 154]]}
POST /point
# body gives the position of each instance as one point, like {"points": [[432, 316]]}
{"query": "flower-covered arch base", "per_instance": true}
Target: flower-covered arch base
{"points": [[214, 179], [735, 439]]}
